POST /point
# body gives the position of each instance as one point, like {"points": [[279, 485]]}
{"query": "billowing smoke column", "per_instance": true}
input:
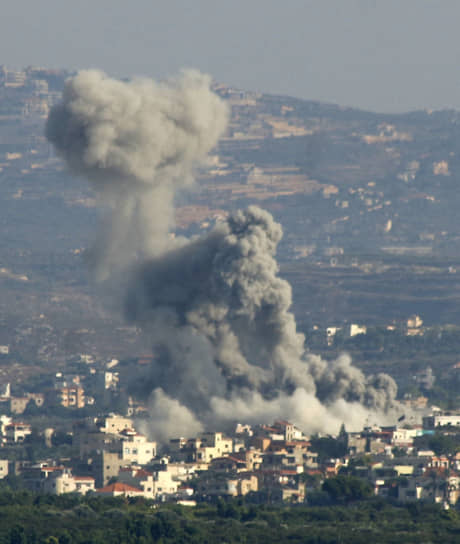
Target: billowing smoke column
{"points": [[137, 143], [214, 307]]}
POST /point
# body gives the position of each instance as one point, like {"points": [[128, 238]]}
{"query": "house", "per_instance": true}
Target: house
{"points": [[429, 489], [102, 466], [228, 464], [183, 472], [289, 431], [215, 485], [443, 419], [213, 445], [404, 437], [59, 482], [155, 485], [56, 479], [357, 329], [17, 432], [114, 424], [119, 489], [135, 447], [72, 396], [88, 441], [280, 485]]}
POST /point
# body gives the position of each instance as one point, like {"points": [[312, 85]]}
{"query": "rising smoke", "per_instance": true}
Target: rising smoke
{"points": [[214, 307], [137, 143]]}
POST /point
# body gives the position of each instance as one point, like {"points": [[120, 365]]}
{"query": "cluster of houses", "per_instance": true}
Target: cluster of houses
{"points": [[67, 390], [271, 462]]}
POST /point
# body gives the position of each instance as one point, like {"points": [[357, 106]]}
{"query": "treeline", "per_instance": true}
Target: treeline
{"points": [[45, 519]]}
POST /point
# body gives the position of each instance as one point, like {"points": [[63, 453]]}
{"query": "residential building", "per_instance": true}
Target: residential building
{"points": [[442, 419], [213, 445], [17, 432], [68, 397], [114, 423], [118, 489], [135, 447]]}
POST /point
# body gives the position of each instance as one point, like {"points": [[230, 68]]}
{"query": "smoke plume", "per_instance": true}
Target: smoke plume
{"points": [[216, 311], [138, 144]]}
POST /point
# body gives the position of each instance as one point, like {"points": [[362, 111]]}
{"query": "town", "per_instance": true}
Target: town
{"points": [[70, 424], [266, 463]]}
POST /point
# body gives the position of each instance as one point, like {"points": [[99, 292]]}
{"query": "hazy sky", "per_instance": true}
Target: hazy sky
{"points": [[385, 55]]}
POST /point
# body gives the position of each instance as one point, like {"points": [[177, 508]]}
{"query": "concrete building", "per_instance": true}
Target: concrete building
{"points": [[442, 419], [114, 424], [289, 431], [405, 437], [68, 397], [357, 329], [119, 489], [102, 466], [64, 482], [226, 485], [155, 485], [213, 445], [135, 448], [17, 432]]}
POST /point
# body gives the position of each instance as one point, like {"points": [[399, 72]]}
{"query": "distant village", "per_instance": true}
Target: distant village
{"points": [[268, 463], [77, 430], [83, 451], [111, 455]]}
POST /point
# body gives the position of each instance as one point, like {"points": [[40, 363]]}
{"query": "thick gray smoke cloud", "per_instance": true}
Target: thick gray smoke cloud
{"points": [[214, 307], [220, 316], [137, 143]]}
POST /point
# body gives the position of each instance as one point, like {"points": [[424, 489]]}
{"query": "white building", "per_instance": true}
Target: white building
{"points": [[357, 329], [213, 445], [153, 485], [441, 420], [17, 432], [405, 437], [135, 447], [114, 424], [60, 482]]}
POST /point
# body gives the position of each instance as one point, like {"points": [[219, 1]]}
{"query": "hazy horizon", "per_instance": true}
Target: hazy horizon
{"points": [[385, 57]]}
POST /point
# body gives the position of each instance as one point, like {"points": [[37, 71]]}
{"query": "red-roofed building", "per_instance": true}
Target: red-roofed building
{"points": [[119, 489], [153, 485]]}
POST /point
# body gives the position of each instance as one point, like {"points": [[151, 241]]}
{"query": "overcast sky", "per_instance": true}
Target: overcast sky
{"points": [[383, 55]]}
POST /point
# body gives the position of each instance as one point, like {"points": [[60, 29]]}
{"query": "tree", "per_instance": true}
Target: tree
{"points": [[347, 488], [328, 447]]}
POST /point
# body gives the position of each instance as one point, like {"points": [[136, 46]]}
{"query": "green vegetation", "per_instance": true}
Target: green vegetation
{"points": [[441, 443], [328, 447], [27, 518]]}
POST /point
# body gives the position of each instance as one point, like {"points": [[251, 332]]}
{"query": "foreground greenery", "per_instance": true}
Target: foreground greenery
{"points": [[29, 518]]}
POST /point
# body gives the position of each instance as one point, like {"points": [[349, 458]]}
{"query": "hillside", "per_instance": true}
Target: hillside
{"points": [[368, 203]]}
